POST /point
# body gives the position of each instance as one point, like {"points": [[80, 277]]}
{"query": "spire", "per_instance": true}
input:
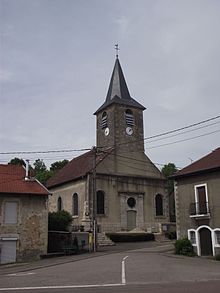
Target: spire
{"points": [[118, 91]]}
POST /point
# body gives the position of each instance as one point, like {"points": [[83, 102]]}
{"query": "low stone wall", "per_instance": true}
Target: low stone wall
{"points": [[58, 239]]}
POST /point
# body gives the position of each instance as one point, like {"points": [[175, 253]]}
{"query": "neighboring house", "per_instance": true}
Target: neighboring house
{"points": [[23, 215], [197, 195], [115, 183]]}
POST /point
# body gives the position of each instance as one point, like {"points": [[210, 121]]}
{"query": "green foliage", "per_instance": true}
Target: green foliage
{"points": [[17, 161], [184, 247], [39, 166], [43, 176], [170, 235], [56, 166], [130, 237], [167, 171], [59, 221]]}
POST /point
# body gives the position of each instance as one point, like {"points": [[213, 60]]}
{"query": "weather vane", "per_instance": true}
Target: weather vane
{"points": [[116, 49]]}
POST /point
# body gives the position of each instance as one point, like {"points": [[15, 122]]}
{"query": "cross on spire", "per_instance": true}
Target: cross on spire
{"points": [[116, 49]]}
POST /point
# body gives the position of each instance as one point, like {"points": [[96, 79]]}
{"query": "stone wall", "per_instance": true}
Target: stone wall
{"points": [[31, 228]]}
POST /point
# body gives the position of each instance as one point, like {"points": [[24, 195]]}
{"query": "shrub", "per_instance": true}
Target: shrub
{"points": [[59, 221], [184, 247], [130, 237], [217, 257], [170, 235]]}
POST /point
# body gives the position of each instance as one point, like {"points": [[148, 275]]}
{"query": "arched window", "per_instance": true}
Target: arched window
{"points": [[75, 207], [59, 204], [100, 202], [159, 204], [104, 120], [129, 117]]}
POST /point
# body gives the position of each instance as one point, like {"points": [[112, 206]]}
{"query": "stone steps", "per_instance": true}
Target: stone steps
{"points": [[103, 240]]}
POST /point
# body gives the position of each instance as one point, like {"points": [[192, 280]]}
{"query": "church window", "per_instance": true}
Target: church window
{"points": [[59, 204], [131, 202], [129, 117], [75, 208], [159, 204], [100, 202], [104, 120]]}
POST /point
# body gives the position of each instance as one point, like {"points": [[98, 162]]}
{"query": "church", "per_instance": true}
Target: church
{"points": [[114, 184]]}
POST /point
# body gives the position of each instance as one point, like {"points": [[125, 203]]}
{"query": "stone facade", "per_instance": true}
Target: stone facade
{"points": [[118, 185], [31, 228], [198, 204]]}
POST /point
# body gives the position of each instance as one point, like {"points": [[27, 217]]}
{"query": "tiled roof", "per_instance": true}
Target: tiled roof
{"points": [[76, 168], [118, 92], [210, 162], [12, 180]]}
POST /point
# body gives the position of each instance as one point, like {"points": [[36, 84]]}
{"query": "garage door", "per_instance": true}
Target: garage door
{"points": [[8, 251]]}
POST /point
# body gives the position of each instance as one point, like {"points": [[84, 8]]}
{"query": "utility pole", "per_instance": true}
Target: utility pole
{"points": [[94, 202]]}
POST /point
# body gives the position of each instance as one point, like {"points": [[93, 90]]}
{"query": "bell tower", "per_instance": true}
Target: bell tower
{"points": [[120, 118]]}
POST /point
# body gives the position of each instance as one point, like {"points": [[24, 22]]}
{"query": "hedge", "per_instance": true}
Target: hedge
{"points": [[130, 237]]}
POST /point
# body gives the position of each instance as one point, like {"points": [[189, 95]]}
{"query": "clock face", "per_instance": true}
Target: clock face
{"points": [[106, 131], [129, 130]]}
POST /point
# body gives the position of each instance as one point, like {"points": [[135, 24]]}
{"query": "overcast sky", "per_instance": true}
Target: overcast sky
{"points": [[57, 56]]}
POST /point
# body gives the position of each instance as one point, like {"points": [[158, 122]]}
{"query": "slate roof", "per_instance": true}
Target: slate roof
{"points": [[208, 163], [12, 180], [76, 168], [118, 91]]}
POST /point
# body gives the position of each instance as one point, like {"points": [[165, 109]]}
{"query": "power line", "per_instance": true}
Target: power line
{"points": [[182, 140], [44, 152], [125, 143]]}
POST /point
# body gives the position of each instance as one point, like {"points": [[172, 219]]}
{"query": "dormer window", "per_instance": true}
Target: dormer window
{"points": [[104, 120], [129, 117]]}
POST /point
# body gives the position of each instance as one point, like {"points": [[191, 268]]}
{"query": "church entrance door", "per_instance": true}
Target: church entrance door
{"points": [[131, 219]]}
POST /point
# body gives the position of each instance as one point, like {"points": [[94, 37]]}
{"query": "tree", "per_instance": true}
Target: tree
{"points": [[59, 221], [56, 166], [39, 166], [167, 171], [41, 172], [17, 161]]}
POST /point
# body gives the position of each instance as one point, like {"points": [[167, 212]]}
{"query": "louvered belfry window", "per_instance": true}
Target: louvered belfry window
{"points": [[129, 117], [104, 120]]}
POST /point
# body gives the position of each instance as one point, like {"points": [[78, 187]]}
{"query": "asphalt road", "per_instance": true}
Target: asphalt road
{"points": [[140, 270]]}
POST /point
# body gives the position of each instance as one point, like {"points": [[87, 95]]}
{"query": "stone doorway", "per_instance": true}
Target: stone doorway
{"points": [[131, 219], [205, 242]]}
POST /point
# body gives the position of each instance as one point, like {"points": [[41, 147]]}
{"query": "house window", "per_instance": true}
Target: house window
{"points": [[192, 237], [104, 120], [201, 197], [129, 117], [11, 212], [75, 205], [217, 237], [159, 204], [100, 202], [59, 204]]}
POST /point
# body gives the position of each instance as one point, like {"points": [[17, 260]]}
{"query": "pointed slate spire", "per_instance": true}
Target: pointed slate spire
{"points": [[118, 91]]}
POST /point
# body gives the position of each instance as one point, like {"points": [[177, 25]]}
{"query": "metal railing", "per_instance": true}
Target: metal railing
{"points": [[198, 208]]}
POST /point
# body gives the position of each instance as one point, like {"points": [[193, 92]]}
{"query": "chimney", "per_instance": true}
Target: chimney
{"points": [[27, 169]]}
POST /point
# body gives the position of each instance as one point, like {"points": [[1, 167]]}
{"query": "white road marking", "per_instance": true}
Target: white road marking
{"points": [[21, 274], [60, 287], [123, 276]]}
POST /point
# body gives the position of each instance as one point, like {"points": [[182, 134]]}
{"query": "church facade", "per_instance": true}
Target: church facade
{"points": [[115, 183]]}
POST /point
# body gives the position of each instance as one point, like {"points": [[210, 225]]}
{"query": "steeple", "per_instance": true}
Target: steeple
{"points": [[118, 91]]}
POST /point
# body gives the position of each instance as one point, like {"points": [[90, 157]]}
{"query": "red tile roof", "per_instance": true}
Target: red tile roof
{"points": [[12, 180], [76, 168], [208, 163]]}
